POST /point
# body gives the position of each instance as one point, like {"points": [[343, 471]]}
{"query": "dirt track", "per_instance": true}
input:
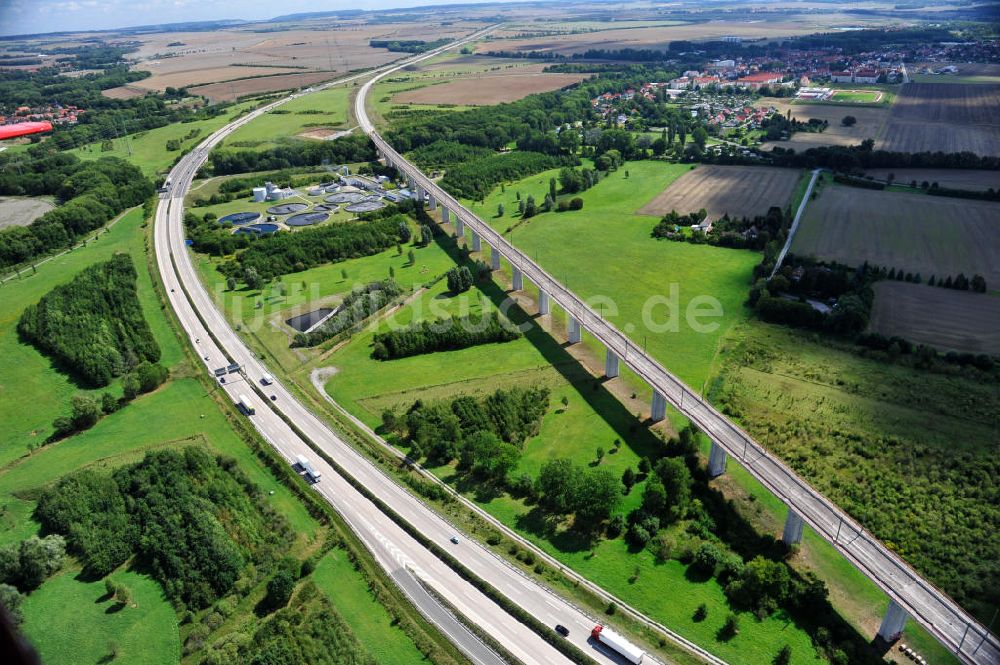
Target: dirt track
{"points": [[737, 190]]}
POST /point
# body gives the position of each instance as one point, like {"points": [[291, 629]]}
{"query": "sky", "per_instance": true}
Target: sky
{"points": [[18, 17]]}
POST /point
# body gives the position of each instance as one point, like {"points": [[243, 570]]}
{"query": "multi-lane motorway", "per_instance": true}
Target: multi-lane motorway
{"points": [[395, 550], [928, 605]]}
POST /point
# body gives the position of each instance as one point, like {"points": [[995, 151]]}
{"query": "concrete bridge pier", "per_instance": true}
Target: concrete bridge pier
{"points": [[444, 215], [459, 226], [494, 258], [793, 528], [432, 203], [544, 304], [658, 411], [893, 622], [575, 332], [517, 279], [411, 183], [717, 459], [611, 364], [477, 242]]}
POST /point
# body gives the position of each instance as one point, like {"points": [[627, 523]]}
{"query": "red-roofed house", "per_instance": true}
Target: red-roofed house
{"points": [[758, 80]]}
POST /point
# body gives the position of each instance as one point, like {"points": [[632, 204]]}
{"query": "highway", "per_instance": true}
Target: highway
{"points": [[929, 606], [394, 549]]}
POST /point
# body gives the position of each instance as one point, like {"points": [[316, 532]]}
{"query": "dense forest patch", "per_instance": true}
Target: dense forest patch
{"points": [[94, 324], [192, 520]]}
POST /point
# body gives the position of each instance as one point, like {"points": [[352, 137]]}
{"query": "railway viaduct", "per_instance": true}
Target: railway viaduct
{"points": [[909, 594]]}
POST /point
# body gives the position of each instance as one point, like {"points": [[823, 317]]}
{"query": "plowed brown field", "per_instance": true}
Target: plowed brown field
{"points": [[943, 318], [737, 190], [918, 233]]}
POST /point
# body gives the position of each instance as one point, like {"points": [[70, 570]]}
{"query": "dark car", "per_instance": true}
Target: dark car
{"points": [[274, 398], [562, 630]]}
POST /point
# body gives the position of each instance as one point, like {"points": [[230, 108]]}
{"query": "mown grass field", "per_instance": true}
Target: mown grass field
{"points": [[64, 617], [72, 621], [148, 150], [326, 109], [636, 271]]}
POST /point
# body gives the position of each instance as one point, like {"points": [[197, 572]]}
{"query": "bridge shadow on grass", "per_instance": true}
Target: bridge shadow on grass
{"points": [[624, 423]]}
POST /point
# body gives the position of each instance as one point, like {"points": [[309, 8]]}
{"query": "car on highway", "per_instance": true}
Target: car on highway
{"points": [[274, 398], [222, 379], [562, 630], [454, 539]]}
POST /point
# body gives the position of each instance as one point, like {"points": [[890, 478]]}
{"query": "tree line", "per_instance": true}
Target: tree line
{"points": [[93, 326], [193, 521], [281, 253], [349, 149], [90, 194], [24, 566], [356, 306], [476, 179], [443, 335]]}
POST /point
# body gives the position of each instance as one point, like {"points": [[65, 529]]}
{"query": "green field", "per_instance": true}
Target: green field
{"points": [[72, 621], [326, 109], [634, 267], [589, 419], [147, 149], [856, 97], [64, 616], [900, 449], [336, 577]]}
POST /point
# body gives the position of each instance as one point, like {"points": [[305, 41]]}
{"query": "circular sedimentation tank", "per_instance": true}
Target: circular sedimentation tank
{"points": [[287, 208], [239, 218], [307, 218], [365, 206], [259, 229], [346, 197]]}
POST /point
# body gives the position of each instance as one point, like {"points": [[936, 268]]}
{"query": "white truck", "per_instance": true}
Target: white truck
{"points": [[618, 644], [245, 406], [266, 379], [306, 467]]}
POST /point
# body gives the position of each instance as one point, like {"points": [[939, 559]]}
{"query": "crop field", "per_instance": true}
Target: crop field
{"points": [[655, 35], [22, 210], [943, 318], [736, 190], [917, 233], [323, 110], [945, 117], [489, 89], [228, 91], [124, 92], [222, 55], [972, 179], [870, 123]]}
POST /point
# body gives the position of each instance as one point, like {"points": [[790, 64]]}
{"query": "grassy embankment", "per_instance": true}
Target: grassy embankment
{"points": [[148, 150], [64, 618], [325, 109]]}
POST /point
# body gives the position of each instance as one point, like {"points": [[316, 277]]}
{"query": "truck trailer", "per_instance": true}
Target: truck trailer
{"points": [[245, 406], [618, 644], [311, 474]]}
